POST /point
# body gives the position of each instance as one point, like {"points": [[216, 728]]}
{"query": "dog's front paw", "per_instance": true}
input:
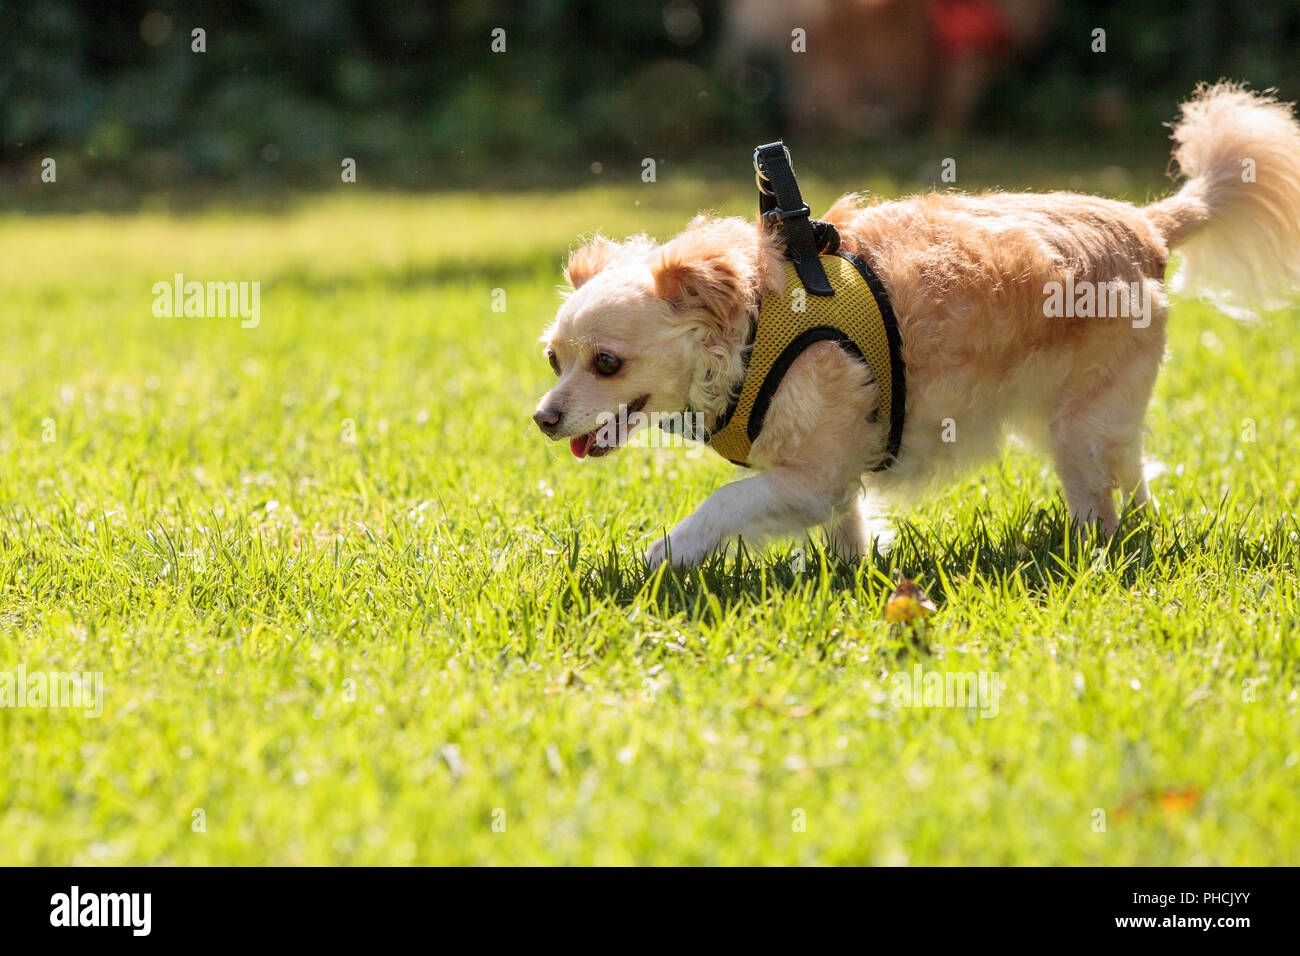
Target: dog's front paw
{"points": [[683, 550], [656, 553]]}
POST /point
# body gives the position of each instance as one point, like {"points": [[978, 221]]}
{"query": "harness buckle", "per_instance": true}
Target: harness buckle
{"points": [[777, 217]]}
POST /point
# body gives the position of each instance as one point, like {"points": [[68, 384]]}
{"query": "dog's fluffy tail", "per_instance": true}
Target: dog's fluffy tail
{"points": [[1236, 220]]}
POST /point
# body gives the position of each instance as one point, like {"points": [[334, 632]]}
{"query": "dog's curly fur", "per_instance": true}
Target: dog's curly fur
{"points": [[969, 278]]}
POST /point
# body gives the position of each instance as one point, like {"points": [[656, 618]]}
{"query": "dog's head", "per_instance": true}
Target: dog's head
{"points": [[648, 328]]}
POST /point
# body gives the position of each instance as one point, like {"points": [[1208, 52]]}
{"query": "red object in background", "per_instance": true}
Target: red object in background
{"points": [[962, 27]]}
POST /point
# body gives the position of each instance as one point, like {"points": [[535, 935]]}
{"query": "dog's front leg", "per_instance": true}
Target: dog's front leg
{"points": [[779, 501], [858, 526]]}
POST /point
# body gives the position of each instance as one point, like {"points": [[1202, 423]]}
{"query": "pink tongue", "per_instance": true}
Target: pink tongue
{"points": [[581, 444]]}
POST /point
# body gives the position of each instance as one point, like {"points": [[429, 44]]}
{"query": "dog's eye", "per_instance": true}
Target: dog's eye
{"points": [[555, 363], [607, 364]]}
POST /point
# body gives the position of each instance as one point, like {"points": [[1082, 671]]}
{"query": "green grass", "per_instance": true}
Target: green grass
{"points": [[366, 651]]}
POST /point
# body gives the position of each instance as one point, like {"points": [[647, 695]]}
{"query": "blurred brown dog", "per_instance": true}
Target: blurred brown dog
{"points": [[1042, 314]]}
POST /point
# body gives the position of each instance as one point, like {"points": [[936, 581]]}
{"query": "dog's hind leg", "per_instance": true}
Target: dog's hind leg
{"points": [[1129, 478], [1096, 436], [1133, 390], [1088, 489]]}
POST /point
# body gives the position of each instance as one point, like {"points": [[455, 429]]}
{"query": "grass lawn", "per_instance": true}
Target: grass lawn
{"points": [[352, 607]]}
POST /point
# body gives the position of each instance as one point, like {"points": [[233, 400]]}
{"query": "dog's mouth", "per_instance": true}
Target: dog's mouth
{"points": [[601, 441]]}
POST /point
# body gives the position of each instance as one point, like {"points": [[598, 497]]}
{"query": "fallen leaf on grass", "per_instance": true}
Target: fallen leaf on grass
{"points": [[907, 603], [1176, 802], [1172, 801]]}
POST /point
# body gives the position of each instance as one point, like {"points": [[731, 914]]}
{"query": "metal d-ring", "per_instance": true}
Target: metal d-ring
{"points": [[761, 177]]}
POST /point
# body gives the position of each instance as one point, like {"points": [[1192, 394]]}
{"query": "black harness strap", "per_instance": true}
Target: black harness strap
{"points": [[781, 205]]}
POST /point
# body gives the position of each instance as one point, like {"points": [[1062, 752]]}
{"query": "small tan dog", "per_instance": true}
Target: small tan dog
{"points": [[1000, 305]]}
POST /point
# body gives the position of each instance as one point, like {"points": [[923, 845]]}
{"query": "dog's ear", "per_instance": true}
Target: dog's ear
{"points": [[588, 260], [691, 275]]}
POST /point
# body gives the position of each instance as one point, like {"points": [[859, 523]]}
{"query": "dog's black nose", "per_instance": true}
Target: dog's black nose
{"points": [[548, 419]]}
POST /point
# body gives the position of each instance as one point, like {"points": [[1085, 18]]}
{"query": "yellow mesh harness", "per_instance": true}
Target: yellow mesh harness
{"points": [[857, 316]]}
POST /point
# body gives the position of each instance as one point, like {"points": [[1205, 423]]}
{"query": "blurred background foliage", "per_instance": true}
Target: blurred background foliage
{"points": [[412, 89]]}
